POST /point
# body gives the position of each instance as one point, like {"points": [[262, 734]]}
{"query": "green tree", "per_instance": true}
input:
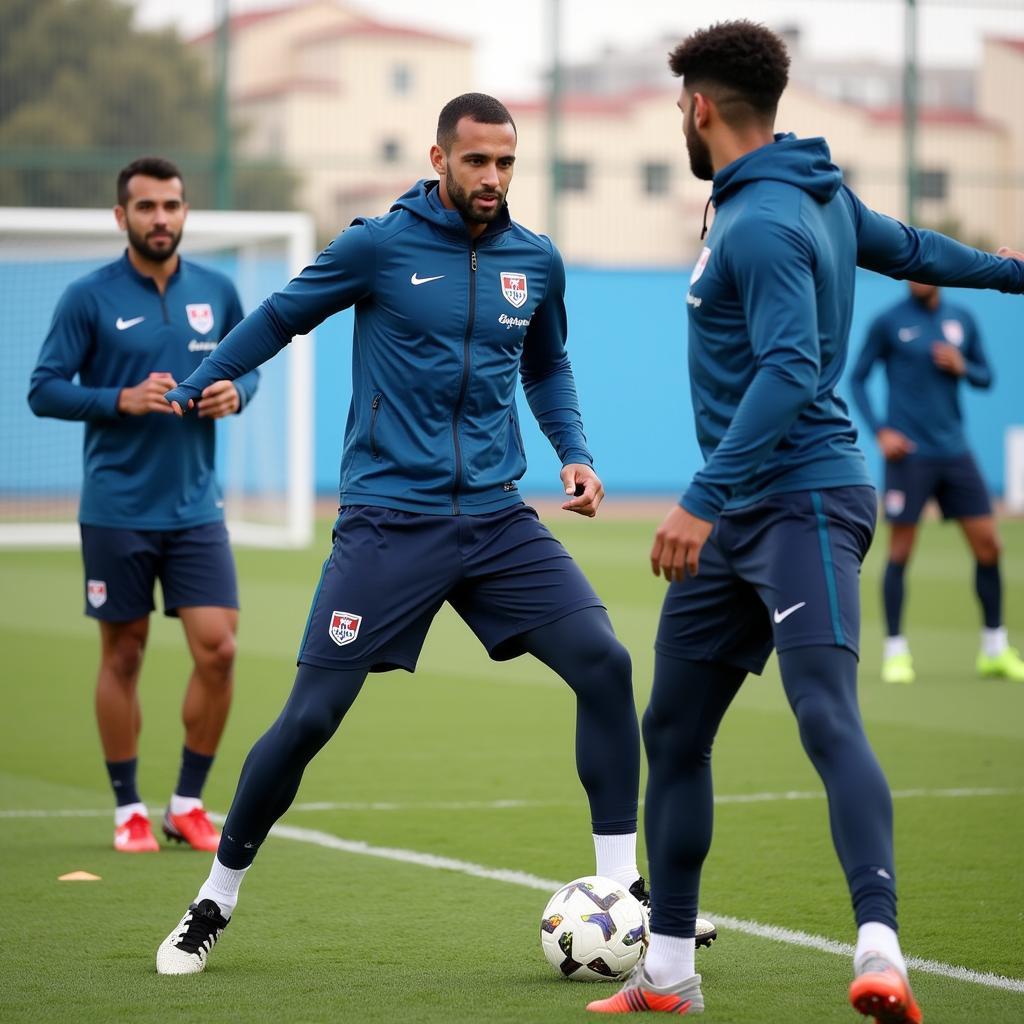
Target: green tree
{"points": [[82, 92]]}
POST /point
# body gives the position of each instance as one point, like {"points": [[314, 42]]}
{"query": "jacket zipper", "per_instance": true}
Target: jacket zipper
{"points": [[465, 381], [375, 407]]}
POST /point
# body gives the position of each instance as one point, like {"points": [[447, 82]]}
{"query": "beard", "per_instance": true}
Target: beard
{"points": [[463, 201], [143, 246], [698, 151]]}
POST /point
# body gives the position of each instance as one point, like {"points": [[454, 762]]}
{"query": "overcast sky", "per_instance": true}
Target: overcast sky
{"points": [[512, 38]]}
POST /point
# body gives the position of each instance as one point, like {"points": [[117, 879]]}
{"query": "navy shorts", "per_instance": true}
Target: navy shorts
{"points": [[954, 481], [194, 566], [390, 571], [783, 573]]}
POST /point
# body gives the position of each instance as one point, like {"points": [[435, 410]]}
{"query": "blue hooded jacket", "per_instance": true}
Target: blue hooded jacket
{"points": [[444, 326], [770, 304]]}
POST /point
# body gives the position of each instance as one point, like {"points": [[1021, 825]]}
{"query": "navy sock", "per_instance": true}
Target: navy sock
{"points": [[688, 700], [892, 597], [821, 685], [192, 776], [122, 780], [273, 770], [989, 585], [583, 649]]}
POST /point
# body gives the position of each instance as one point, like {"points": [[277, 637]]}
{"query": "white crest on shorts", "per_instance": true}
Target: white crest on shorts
{"points": [[344, 627], [200, 316], [698, 267], [96, 592], [953, 332], [895, 502]]}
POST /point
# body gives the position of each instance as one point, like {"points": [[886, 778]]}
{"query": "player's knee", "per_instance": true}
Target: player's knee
{"points": [[307, 727], [123, 659], [988, 550], [216, 657], [823, 727]]}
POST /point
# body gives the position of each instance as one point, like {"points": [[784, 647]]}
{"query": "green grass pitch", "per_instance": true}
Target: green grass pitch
{"points": [[473, 761]]}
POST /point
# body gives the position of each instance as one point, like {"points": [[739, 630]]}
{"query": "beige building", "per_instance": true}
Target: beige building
{"points": [[351, 103]]}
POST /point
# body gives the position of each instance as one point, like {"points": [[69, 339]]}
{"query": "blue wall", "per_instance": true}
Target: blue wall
{"points": [[627, 341]]}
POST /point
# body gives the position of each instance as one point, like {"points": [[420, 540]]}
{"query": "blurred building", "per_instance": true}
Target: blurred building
{"points": [[350, 103]]}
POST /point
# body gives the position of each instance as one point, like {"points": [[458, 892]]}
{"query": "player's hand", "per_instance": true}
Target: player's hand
{"points": [[949, 358], [219, 399], [1010, 254], [585, 490], [894, 445], [147, 396], [678, 543]]}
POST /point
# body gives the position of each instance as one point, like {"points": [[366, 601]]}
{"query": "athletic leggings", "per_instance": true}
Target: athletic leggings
{"points": [[687, 703], [581, 648]]}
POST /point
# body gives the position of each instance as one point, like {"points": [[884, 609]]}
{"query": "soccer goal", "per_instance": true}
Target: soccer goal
{"points": [[264, 456]]}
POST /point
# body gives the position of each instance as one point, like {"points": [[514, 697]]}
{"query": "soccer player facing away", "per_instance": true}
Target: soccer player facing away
{"points": [[927, 346], [765, 546], [454, 302], [150, 506]]}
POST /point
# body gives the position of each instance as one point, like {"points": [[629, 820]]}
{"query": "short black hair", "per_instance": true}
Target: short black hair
{"points": [[152, 167], [477, 106], [743, 65]]}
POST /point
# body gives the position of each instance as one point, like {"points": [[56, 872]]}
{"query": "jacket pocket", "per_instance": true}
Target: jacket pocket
{"points": [[378, 400], [517, 436]]}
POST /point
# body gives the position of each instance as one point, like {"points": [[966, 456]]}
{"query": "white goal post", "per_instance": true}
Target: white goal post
{"points": [[265, 455]]}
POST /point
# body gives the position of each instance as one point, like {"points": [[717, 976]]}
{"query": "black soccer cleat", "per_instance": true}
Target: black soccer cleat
{"points": [[706, 931]]}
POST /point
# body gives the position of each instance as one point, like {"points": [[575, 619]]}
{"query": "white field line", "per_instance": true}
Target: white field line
{"points": [[547, 885]]}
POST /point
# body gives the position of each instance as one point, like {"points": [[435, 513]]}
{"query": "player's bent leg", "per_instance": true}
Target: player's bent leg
{"points": [[270, 778]]}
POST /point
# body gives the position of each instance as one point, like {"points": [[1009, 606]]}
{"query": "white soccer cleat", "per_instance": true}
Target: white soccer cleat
{"points": [[187, 948]]}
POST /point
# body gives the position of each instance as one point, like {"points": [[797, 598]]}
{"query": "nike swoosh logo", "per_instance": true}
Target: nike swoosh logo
{"points": [[424, 280], [123, 325], [779, 616]]}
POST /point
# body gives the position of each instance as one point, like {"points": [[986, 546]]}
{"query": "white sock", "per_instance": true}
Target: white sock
{"points": [[994, 641], [184, 804], [875, 937], [616, 857], [125, 811], [222, 887], [896, 645], [669, 960]]}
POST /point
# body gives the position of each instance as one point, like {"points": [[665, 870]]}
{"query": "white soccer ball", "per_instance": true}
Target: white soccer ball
{"points": [[594, 929]]}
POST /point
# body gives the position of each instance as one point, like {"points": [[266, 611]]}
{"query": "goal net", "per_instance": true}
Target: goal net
{"points": [[264, 456]]}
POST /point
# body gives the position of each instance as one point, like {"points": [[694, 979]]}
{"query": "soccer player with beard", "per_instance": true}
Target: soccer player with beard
{"points": [[150, 504], [764, 548], [454, 303]]}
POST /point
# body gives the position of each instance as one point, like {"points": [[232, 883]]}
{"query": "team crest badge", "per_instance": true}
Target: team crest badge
{"points": [[698, 267], [96, 592], [344, 627], [513, 287], [953, 332], [200, 317], [895, 502]]}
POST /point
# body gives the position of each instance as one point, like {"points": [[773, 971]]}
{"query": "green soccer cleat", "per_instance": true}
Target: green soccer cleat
{"points": [[1007, 665], [898, 668]]}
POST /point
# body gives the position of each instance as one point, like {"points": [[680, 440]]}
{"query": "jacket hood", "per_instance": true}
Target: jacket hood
{"points": [[806, 163], [423, 201]]}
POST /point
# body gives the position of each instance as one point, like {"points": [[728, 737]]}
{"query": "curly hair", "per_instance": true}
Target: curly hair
{"points": [[743, 64]]}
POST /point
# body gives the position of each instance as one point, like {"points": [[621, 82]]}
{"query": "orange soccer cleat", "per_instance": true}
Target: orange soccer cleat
{"points": [[639, 995], [880, 990], [135, 836], [194, 828]]}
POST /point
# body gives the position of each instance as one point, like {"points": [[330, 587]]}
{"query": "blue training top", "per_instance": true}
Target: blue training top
{"points": [[770, 304], [444, 326], [113, 328], [924, 400]]}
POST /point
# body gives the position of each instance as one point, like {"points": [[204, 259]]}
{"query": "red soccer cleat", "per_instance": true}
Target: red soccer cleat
{"points": [[194, 828], [638, 995], [881, 991], [135, 836]]}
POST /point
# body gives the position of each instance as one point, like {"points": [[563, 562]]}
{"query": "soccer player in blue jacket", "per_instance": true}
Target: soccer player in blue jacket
{"points": [[150, 506], [454, 303], [927, 347], [765, 546]]}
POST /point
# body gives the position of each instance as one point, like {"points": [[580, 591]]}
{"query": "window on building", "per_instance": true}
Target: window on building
{"points": [[391, 151], [401, 79], [573, 176], [932, 184], [657, 179]]}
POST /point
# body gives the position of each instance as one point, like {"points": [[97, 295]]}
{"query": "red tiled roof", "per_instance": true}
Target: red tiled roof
{"points": [[1011, 43], [244, 20], [369, 27], [930, 115]]}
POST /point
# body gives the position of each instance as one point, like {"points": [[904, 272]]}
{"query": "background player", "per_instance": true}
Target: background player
{"points": [[927, 346], [150, 505], [454, 302], [766, 544]]}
